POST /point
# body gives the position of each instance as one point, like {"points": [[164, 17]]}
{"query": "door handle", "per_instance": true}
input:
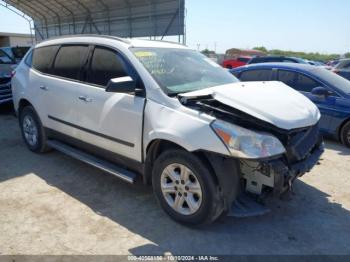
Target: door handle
{"points": [[44, 88], [85, 99]]}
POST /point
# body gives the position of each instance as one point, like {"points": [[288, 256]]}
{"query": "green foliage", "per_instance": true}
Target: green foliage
{"points": [[347, 55], [261, 48], [308, 56], [207, 52]]}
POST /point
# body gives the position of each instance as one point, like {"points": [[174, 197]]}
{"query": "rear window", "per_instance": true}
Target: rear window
{"points": [[70, 60], [43, 58]]}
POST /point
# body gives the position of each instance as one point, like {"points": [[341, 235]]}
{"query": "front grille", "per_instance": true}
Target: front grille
{"points": [[5, 91], [301, 143], [4, 80]]}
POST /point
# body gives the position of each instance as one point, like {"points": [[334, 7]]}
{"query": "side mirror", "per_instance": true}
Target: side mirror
{"points": [[320, 91], [124, 85]]}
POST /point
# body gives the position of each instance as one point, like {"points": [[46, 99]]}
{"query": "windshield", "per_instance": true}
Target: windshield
{"points": [[182, 70], [4, 58], [334, 79]]}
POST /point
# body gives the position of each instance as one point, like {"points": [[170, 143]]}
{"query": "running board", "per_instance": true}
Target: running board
{"points": [[246, 206], [104, 165]]}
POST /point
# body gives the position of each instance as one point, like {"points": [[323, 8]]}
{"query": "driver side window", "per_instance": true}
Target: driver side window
{"points": [[298, 81], [105, 65], [306, 84]]}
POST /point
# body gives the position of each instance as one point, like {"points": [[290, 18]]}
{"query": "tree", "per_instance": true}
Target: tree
{"points": [[261, 48], [347, 55], [207, 52]]}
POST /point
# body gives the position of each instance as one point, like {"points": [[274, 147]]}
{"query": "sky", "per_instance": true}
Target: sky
{"points": [[298, 25]]}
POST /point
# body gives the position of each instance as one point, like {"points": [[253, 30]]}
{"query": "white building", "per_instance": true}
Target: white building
{"points": [[13, 39]]}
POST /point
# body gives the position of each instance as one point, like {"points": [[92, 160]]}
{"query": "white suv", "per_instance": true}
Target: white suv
{"points": [[164, 113]]}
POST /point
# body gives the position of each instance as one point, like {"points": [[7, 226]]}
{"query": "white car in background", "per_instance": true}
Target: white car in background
{"points": [[164, 113]]}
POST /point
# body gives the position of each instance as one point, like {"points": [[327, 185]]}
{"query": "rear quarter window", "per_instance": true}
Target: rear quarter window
{"points": [[43, 58], [29, 59]]}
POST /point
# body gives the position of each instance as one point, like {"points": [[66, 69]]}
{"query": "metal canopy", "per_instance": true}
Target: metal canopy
{"points": [[124, 18]]}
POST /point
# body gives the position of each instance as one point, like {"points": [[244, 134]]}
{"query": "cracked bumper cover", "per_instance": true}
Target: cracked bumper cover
{"points": [[285, 175]]}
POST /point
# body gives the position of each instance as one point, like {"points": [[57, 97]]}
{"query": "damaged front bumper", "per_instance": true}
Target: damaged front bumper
{"points": [[277, 175]]}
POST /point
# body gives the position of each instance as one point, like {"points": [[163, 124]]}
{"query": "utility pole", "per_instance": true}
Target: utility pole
{"points": [[198, 47]]}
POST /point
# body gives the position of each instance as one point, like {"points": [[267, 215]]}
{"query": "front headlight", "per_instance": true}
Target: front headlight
{"points": [[245, 143]]}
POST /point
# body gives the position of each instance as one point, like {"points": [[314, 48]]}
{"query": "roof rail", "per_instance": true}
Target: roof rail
{"points": [[90, 35], [164, 41]]}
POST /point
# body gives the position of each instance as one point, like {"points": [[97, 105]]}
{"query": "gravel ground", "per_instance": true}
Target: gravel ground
{"points": [[52, 204]]}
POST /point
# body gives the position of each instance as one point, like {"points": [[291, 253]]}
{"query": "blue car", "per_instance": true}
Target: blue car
{"points": [[329, 91]]}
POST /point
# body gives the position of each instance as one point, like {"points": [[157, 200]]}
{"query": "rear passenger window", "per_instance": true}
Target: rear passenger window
{"points": [[106, 64], [70, 60], [43, 58], [256, 75]]}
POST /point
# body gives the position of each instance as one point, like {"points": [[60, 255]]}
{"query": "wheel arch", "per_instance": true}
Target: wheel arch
{"points": [[340, 128], [22, 104], [157, 146]]}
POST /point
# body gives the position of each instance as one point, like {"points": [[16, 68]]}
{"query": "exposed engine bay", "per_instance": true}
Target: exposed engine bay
{"points": [[303, 147]]}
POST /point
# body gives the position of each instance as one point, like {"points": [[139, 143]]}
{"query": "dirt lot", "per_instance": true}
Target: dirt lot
{"points": [[52, 204]]}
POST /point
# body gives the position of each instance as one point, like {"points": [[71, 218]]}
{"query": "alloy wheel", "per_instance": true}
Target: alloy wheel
{"points": [[30, 130], [181, 189]]}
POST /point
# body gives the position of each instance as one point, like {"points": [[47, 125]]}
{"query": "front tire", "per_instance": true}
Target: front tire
{"points": [[345, 134], [185, 188], [32, 130]]}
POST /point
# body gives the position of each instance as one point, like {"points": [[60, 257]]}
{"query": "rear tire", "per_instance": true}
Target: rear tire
{"points": [[33, 132], [345, 134], [185, 188]]}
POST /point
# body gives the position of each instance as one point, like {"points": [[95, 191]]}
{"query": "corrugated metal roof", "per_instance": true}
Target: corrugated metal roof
{"points": [[125, 18]]}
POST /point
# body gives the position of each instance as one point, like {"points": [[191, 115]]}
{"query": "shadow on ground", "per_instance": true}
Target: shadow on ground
{"points": [[337, 147], [309, 224]]}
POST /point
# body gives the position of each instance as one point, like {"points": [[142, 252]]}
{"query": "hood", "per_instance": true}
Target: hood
{"points": [[273, 102]]}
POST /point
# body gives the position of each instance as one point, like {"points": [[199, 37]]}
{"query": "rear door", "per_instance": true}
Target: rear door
{"points": [[112, 121], [62, 88], [305, 84]]}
